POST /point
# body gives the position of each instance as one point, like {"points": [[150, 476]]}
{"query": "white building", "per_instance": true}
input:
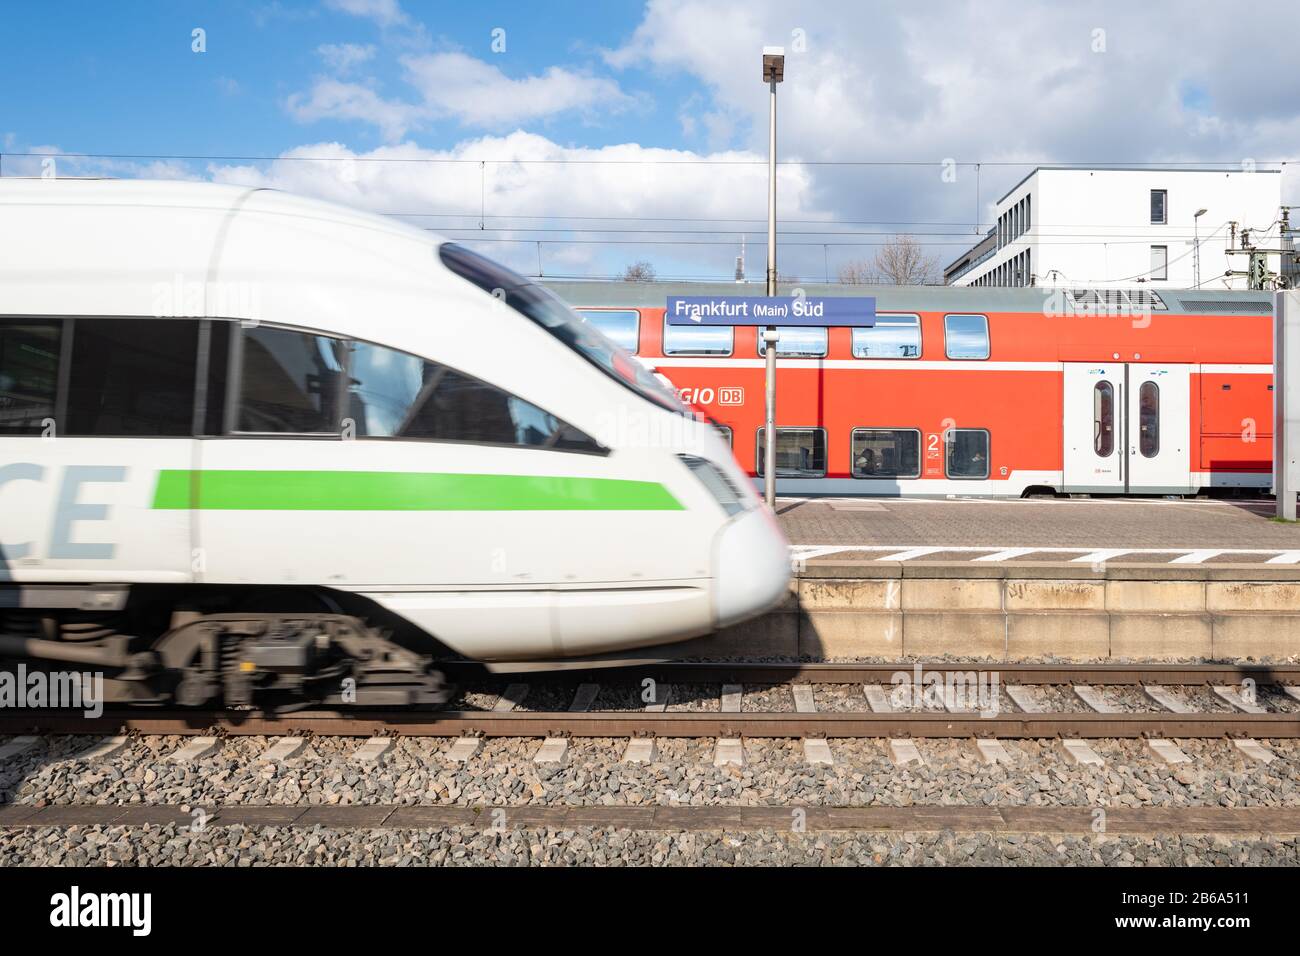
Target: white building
{"points": [[1099, 228]]}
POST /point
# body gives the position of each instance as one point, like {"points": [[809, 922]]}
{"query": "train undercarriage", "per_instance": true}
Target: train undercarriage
{"points": [[273, 649]]}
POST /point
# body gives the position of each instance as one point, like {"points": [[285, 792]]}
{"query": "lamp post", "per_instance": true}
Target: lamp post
{"points": [[773, 73], [1196, 244]]}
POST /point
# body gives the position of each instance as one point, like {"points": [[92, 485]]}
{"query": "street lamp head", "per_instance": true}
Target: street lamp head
{"points": [[773, 64], [1199, 213]]}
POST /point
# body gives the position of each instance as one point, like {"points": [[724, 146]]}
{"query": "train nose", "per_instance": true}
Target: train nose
{"points": [[751, 566]]}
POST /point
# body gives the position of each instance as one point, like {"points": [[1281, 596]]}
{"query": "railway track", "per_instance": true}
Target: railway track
{"points": [[1238, 690]]}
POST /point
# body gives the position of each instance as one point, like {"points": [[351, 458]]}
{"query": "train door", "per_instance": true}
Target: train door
{"points": [[1093, 428], [1126, 428], [1159, 426]]}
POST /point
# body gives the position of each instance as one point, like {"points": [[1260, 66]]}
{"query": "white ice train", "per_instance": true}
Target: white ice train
{"points": [[259, 448]]}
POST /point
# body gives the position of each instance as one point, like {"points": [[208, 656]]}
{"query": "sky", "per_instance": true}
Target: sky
{"points": [[575, 138]]}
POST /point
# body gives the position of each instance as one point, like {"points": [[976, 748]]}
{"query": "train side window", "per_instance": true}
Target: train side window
{"points": [[393, 394], [1149, 419], [289, 382], [886, 453], [132, 377], [800, 452], [797, 342], [620, 326], [29, 376], [967, 453], [1103, 419], [966, 337], [892, 337], [698, 339]]}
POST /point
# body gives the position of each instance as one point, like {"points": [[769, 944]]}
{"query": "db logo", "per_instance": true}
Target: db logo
{"points": [[727, 395]]}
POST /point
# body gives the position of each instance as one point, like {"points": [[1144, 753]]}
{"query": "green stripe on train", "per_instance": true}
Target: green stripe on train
{"points": [[255, 490]]}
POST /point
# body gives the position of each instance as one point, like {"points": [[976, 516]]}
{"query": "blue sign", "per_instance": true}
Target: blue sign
{"points": [[852, 311]]}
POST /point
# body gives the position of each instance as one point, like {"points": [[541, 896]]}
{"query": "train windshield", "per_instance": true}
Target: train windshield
{"points": [[547, 310]]}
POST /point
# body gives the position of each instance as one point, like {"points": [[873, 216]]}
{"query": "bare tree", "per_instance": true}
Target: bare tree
{"points": [[639, 272], [857, 272], [901, 261]]}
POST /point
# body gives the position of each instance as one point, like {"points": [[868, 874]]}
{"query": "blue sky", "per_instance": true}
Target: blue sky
{"points": [[631, 114]]}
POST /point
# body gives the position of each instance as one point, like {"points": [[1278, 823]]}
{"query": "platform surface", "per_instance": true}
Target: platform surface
{"points": [[1157, 531]]}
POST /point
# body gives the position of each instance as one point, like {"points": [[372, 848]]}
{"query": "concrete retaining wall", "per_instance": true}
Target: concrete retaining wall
{"points": [[1026, 610]]}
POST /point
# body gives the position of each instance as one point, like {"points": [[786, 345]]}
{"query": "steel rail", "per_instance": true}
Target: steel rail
{"points": [[669, 724]]}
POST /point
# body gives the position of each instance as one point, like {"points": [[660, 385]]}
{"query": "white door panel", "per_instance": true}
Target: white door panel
{"points": [[1093, 440], [1159, 424]]}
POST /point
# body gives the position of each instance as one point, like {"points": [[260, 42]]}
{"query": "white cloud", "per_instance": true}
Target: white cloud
{"points": [[480, 94], [386, 13], [672, 183], [336, 99], [344, 57]]}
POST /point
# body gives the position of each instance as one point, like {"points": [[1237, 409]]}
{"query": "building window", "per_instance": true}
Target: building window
{"points": [[698, 339], [620, 326], [1159, 262], [886, 453], [1103, 419], [966, 336], [1159, 214], [967, 453], [797, 341], [800, 452], [132, 377], [892, 337], [29, 376]]}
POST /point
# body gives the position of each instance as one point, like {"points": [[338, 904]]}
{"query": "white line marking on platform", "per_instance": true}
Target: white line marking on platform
{"points": [[1100, 557], [729, 751], [1197, 557], [1095, 699], [664, 695], [915, 553], [463, 749], [807, 554], [583, 698], [1007, 554], [373, 750], [1233, 696], [877, 699], [1025, 698], [1078, 752], [903, 752], [17, 746], [804, 703], [640, 750], [817, 752], [1255, 750], [511, 698], [105, 748], [992, 752], [195, 749], [732, 695], [553, 750], [1168, 699], [283, 749], [1167, 751]]}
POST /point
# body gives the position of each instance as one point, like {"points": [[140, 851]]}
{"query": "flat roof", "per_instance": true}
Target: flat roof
{"points": [[1127, 169]]}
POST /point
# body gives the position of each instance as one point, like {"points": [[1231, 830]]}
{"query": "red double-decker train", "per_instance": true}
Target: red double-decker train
{"points": [[960, 391]]}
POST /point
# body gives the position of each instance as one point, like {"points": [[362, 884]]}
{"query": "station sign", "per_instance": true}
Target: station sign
{"points": [[797, 310]]}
